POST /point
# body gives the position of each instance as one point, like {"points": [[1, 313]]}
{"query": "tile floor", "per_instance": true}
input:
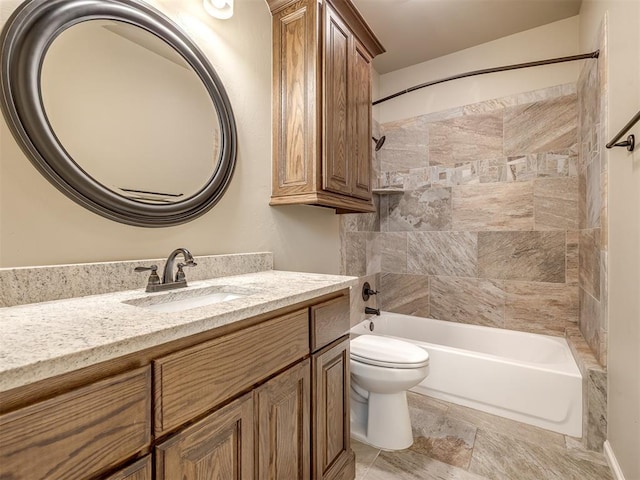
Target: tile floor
{"points": [[458, 443]]}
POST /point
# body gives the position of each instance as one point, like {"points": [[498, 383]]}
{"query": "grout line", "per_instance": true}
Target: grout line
{"points": [[364, 475]]}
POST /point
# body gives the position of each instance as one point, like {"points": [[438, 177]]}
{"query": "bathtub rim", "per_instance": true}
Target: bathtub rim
{"points": [[569, 365]]}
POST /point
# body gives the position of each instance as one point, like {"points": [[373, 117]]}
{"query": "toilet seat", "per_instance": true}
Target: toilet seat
{"points": [[387, 352]]}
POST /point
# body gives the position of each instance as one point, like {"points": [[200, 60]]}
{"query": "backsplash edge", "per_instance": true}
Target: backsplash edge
{"points": [[24, 285]]}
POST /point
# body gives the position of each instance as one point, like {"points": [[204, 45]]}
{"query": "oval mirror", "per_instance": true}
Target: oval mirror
{"points": [[118, 109]]}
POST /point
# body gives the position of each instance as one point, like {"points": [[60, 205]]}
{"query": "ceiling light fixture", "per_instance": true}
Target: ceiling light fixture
{"points": [[222, 9]]}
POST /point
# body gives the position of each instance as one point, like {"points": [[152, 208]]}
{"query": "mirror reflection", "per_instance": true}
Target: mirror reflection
{"points": [[130, 111]]}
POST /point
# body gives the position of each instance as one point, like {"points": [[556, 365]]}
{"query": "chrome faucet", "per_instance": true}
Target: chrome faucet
{"points": [[169, 282]]}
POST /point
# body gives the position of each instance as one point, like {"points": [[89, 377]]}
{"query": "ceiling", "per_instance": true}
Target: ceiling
{"points": [[414, 31]]}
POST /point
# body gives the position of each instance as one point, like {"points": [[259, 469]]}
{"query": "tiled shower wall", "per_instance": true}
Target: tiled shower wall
{"points": [[592, 168], [593, 244], [486, 230]]}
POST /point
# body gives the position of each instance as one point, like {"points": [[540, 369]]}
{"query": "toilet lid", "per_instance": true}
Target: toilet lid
{"points": [[388, 352]]}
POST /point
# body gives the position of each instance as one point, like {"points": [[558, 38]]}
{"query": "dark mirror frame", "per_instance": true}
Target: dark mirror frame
{"points": [[24, 42]]}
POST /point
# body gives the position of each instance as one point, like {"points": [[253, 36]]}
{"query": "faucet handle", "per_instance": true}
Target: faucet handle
{"points": [[154, 279], [367, 291], [180, 277]]}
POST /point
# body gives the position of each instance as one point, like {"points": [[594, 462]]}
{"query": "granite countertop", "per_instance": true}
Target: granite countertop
{"points": [[41, 340]]}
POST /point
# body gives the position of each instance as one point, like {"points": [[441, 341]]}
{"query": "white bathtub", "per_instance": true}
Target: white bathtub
{"points": [[526, 377]]}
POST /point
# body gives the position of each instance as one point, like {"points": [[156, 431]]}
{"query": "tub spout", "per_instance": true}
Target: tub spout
{"points": [[369, 310]]}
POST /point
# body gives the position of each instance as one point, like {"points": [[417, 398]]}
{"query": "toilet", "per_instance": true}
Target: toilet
{"points": [[382, 370]]}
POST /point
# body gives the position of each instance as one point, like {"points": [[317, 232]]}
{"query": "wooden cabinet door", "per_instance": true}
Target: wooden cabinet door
{"points": [[283, 433], [296, 97], [360, 101], [332, 456], [337, 50], [219, 447]]}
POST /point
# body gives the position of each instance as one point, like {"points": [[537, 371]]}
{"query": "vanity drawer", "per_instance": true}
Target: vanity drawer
{"points": [[193, 381], [80, 433], [329, 320]]}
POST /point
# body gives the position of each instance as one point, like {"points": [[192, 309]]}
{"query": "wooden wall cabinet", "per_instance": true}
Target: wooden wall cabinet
{"points": [[322, 145], [266, 400]]}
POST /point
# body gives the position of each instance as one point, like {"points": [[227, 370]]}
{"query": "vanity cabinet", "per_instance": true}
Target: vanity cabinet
{"points": [[266, 398], [322, 147]]}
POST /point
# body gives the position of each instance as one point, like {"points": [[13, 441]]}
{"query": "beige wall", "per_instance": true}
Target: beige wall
{"points": [[549, 41], [623, 225], [40, 226]]}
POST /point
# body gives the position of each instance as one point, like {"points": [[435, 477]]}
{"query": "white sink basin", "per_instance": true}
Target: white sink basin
{"points": [[178, 301]]}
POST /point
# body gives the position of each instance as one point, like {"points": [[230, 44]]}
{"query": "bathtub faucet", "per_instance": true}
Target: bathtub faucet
{"points": [[367, 291], [370, 311]]}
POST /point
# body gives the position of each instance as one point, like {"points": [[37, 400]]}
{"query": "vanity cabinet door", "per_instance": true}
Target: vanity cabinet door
{"points": [[283, 433], [332, 456], [140, 470], [219, 447]]}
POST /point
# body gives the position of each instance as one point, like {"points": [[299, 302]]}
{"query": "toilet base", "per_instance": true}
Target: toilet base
{"points": [[386, 424]]}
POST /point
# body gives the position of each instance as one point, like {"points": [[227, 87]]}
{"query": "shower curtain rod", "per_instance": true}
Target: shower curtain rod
{"points": [[493, 70]]}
